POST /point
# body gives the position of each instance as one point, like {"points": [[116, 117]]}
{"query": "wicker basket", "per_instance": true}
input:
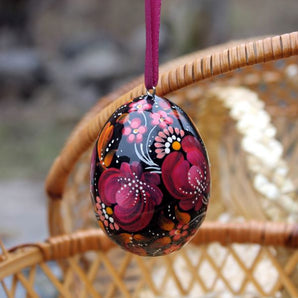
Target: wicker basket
{"points": [[243, 98]]}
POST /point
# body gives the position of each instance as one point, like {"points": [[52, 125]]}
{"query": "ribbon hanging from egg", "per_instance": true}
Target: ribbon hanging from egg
{"points": [[150, 176]]}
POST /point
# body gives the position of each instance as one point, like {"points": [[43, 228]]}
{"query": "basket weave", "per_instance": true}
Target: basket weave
{"points": [[247, 246]]}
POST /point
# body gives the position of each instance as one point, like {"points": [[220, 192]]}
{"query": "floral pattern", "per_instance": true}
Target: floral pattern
{"points": [[140, 106], [150, 178], [187, 178], [180, 232], [105, 155], [133, 194], [134, 131], [105, 215], [168, 140], [161, 119]]}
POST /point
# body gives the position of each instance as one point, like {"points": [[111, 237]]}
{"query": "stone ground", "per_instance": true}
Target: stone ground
{"points": [[30, 140], [23, 211]]}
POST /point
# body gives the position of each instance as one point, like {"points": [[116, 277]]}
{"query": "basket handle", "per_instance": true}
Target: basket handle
{"points": [[175, 75]]}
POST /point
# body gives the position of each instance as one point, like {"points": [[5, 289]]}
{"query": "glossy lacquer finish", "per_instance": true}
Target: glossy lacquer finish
{"points": [[150, 177]]}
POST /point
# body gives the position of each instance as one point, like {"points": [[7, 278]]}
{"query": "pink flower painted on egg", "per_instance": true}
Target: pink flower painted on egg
{"points": [[161, 119], [139, 106], [133, 193], [167, 141], [134, 130], [187, 179]]}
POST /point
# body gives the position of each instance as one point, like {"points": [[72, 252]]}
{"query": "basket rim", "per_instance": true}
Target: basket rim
{"points": [[68, 245]]}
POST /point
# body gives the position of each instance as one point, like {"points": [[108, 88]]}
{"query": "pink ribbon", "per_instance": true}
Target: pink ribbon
{"points": [[152, 13]]}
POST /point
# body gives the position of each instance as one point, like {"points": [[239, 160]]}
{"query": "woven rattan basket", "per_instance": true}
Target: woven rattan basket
{"points": [[243, 96]]}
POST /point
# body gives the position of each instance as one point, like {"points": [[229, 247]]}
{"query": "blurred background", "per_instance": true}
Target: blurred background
{"points": [[57, 57]]}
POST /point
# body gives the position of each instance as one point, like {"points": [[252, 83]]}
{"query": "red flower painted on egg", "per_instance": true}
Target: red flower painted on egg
{"points": [[133, 193], [187, 179], [134, 130], [180, 232]]}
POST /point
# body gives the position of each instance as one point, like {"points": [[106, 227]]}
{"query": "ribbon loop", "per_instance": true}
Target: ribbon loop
{"points": [[152, 14]]}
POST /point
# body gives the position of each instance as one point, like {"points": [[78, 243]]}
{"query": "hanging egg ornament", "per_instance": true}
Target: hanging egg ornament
{"points": [[150, 177]]}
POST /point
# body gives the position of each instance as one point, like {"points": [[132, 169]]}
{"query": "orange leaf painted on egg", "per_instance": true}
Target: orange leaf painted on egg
{"points": [[139, 237], [162, 241], [104, 137], [109, 157], [138, 250], [182, 217], [166, 224], [121, 119], [125, 238], [102, 143], [101, 225]]}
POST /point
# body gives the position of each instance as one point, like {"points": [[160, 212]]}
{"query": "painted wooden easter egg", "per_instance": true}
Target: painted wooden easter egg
{"points": [[150, 177]]}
